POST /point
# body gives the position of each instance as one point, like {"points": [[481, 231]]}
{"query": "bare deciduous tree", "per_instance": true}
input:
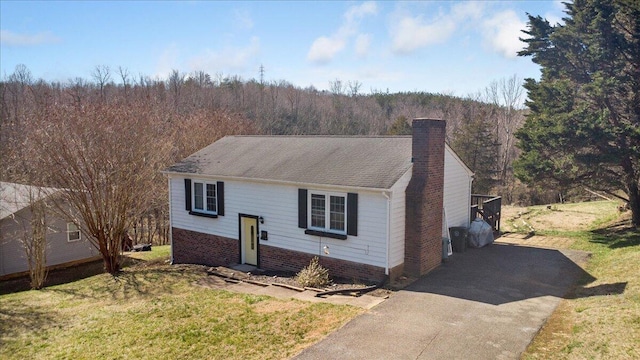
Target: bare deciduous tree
{"points": [[124, 76], [506, 97], [105, 159], [34, 240], [102, 75]]}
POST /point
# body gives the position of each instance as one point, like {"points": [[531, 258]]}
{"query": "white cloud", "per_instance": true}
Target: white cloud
{"points": [[325, 48], [410, 32], [356, 13], [168, 61], [502, 33], [226, 60], [243, 19], [468, 10], [363, 41], [14, 39]]}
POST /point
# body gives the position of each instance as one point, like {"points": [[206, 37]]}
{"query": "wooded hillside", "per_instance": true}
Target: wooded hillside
{"points": [[91, 129]]}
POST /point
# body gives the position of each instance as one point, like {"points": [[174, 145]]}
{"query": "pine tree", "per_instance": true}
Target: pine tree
{"points": [[584, 125]]}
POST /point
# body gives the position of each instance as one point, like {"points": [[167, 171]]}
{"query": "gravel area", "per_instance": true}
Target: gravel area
{"points": [[286, 278]]}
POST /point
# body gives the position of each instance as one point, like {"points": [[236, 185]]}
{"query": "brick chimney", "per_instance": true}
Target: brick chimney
{"points": [[423, 233]]}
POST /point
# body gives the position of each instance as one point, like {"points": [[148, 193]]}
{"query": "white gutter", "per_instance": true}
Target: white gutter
{"points": [[170, 223], [469, 200], [388, 238], [273, 181]]}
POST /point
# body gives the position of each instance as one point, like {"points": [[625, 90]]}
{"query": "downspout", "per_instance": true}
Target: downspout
{"points": [[388, 238], [469, 200], [170, 223]]}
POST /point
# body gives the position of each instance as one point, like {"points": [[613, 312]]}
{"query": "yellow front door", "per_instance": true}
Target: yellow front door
{"points": [[250, 240]]}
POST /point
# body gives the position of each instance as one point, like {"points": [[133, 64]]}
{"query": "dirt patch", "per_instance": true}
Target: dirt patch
{"points": [[560, 217], [568, 220]]}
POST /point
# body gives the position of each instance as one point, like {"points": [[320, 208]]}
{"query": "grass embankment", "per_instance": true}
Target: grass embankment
{"points": [[154, 311], [599, 319]]}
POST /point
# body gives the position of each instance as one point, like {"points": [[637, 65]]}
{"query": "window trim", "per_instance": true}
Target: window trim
{"points": [[74, 231], [326, 231], [204, 212]]}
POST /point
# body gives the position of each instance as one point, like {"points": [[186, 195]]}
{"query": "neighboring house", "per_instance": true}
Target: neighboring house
{"points": [[369, 207], [65, 242]]}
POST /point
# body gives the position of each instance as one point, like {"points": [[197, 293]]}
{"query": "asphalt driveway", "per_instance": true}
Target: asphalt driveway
{"points": [[482, 304]]}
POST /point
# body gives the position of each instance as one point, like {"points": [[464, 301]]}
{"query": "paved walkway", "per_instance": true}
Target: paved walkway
{"points": [[482, 304]]}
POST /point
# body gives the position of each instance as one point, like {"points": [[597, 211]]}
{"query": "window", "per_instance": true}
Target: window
{"points": [[73, 232], [205, 197], [328, 212], [336, 213], [317, 211]]}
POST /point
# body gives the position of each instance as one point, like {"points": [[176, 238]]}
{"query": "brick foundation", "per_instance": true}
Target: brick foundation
{"points": [[192, 247], [274, 258]]}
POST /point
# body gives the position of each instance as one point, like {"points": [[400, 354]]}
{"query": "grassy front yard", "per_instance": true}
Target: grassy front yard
{"points": [[601, 319], [154, 311]]}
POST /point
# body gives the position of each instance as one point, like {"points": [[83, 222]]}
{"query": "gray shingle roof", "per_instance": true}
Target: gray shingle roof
{"points": [[15, 197], [370, 162]]}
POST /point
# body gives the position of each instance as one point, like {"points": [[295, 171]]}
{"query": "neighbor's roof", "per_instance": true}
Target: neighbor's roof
{"points": [[351, 161], [15, 197]]}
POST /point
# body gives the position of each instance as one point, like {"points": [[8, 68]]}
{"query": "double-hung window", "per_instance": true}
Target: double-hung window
{"points": [[205, 197], [327, 212]]}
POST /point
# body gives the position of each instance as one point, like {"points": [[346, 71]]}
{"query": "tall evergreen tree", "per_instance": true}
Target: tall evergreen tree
{"points": [[584, 124]]}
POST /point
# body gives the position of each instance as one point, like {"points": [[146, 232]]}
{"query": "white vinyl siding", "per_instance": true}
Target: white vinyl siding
{"points": [[457, 190], [397, 221], [278, 204]]}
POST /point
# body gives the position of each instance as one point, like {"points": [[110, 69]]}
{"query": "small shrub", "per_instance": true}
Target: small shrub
{"points": [[313, 275]]}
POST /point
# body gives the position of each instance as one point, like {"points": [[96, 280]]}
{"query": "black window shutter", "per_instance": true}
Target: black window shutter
{"points": [[220, 197], [352, 214], [302, 208], [187, 194]]}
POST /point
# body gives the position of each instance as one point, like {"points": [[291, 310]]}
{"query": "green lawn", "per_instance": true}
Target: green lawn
{"points": [[155, 311], [600, 319]]}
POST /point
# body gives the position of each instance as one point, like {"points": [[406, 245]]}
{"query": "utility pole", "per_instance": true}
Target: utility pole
{"points": [[261, 74]]}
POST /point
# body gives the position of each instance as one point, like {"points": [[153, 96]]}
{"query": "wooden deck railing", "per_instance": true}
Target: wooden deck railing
{"points": [[488, 208]]}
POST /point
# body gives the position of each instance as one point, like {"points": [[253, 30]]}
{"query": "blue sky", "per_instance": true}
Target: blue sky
{"points": [[434, 46]]}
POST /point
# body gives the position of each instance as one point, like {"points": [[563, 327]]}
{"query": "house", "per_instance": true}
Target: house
{"points": [[65, 242], [368, 207]]}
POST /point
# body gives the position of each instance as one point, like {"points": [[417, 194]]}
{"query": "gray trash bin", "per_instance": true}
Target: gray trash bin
{"points": [[459, 238]]}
